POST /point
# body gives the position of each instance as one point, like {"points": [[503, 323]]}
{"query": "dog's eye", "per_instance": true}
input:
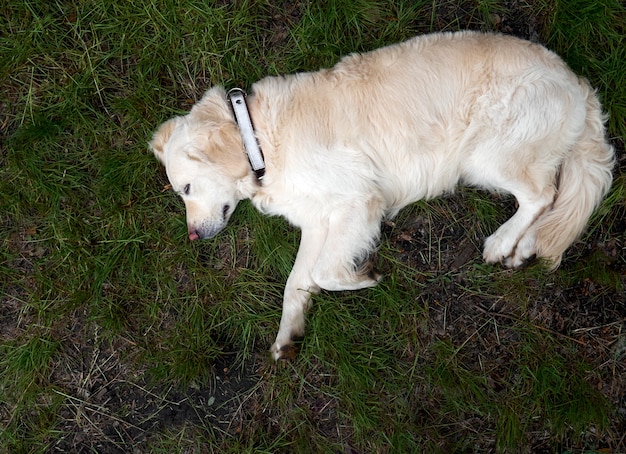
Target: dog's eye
{"points": [[186, 189]]}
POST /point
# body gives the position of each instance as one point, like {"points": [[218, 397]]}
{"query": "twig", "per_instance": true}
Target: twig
{"points": [[593, 328]]}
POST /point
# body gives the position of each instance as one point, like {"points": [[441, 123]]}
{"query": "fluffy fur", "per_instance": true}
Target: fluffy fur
{"points": [[347, 146]]}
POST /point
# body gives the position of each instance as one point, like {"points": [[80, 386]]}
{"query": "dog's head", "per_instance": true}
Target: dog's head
{"points": [[204, 160]]}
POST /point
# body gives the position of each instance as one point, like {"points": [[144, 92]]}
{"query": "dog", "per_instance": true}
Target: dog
{"points": [[343, 148]]}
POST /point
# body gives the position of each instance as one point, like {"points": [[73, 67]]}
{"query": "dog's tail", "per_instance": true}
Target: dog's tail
{"points": [[584, 179]]}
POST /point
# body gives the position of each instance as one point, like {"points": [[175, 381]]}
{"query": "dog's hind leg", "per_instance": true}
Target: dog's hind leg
{"points": [[501, 246], [300, 285]]}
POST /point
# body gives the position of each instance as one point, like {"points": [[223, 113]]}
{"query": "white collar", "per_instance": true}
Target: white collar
{"points": [[237, 98]]}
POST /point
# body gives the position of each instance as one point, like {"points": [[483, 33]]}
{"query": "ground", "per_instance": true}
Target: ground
{"points": [[462, 357]]}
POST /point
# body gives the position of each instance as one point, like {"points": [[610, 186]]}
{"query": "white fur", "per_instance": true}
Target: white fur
{"points": [[347, 146]]}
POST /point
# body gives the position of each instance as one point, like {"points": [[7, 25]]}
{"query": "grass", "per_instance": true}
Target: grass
{"points": [[117, 334]]}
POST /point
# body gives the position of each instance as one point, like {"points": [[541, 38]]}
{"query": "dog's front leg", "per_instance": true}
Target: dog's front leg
{"points": [[298, 290]]}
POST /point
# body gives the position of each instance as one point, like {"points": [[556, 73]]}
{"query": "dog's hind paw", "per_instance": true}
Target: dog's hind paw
{"points": [[510, 255], [497, 250]]}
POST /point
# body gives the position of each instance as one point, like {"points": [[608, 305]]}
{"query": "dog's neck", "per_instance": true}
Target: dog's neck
{"points": [[237, 98]]}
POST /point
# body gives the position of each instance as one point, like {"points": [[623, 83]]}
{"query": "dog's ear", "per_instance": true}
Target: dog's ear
{"points": [[212, 108], [162, 135], [229, 151]]}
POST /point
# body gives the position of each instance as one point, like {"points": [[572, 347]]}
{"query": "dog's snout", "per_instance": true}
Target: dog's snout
{"points": [[205, 230]]}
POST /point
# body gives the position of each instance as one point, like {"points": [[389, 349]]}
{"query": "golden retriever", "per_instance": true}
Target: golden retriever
{"points": [[347, 146]]}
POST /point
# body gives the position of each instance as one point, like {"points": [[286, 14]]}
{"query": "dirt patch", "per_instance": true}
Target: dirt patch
{"points": [[111, 406]]}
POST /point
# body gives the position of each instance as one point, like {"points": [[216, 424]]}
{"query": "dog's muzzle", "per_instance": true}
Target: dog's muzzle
{"points": [[209, 228]]}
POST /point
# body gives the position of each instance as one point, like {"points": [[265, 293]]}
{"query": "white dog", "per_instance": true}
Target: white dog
{"points": [[344, 147]]}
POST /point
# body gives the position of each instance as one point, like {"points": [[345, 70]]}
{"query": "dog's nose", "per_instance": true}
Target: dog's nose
{"points": [[193, 235]]}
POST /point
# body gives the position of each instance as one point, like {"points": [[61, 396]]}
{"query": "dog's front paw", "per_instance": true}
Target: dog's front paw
{"points": [[287, 350]]}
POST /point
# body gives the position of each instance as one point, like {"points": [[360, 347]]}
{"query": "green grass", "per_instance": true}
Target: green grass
{"points": [[118, 333]]}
